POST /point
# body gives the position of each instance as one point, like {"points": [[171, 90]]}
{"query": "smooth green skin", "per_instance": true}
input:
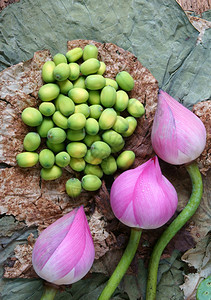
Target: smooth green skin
{"points": [[48, 92], [27, 159], [125, 159], [47, 109], [173, 228], [73, 187], [51, 174], [93, 170], [65, 105], [125, 81], [44, 127], [80, 82], [109, 165], [132, 126], [31, 117], [95, 82], [31, 141], [111, 82], [123, 265], [47, 71], [121, 125], [112, 138], [62, 159], [59, 58], [102, 68], [76, 135], [94, 97], [90, 139], [76, 121], [61, 72], [92, 126], [91, 182], [78, 95], [100, 149], [107, 118], [83, 108], [76, 149], [108, 96], [74, 71], [65, 86], [74, 54], [77, 164], [95, 111], [135, 108], [90, 66], [56, 135], [46, 158], [117, 148], [49, 293], [56, 148], [90, 51], [60, 120], [122, 100], [90, 159], [204, 289]]}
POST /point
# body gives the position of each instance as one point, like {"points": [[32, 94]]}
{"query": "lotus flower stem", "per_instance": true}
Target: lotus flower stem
{"points": [[123, 265], [174, 227], [49, 293]]}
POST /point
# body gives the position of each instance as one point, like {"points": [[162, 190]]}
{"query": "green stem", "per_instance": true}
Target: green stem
{"points": [[123, 265], [174, 227], [49, 293]]}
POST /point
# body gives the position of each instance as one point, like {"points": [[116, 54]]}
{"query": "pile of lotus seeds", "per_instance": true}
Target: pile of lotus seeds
{"points": [[84, 118]]}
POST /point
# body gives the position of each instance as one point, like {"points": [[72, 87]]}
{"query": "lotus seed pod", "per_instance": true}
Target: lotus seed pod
{"points": [[100, 149], [135, 108], [77, 164], [56, 148], [93, 170], [90, 159], [65, 105], [109, 165], [95, 111], [73, 187], [65, 86], [108, 96], [125, 159], [74, 71], [91, 126], [121, 100], [90, 66], [74, 54], [31, 141], [62, 159], [76, 135], [94, 97], [90, 51], [27, 159], [121, 125], [125, 81], [91, 182], [204, 289], [61, 72], [95, 82], [31, 117], [111, 82], [90, 139], [59, 58], [83, 108], [78, 95], [51, 174], [47, 71], [60, 120], [48, 92], [107, 118], [46, 158], [102, 68], [76, 121], [132, 126], [76, 149], [44, 127], [56, 135], [47, 109], [80, 82]]}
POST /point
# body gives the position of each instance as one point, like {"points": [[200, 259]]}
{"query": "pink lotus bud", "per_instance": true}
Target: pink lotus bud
{"points": [[143, 197], [64, 251], [178, 135]]}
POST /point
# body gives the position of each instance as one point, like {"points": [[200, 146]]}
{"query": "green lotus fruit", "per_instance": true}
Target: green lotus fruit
{"points": [[125, 81], [62, 159], [107, 118], [108, 96], [31, 141], [47, 108], [27, 159], [94, 97], [95, 111], [102, 68], [93, 170], [135, 108], [121, 125], [65, 86], [121, 100], [90, 139], [90, 159], [95, 82], [80, 82], [59, 58], [60, 120], [78, 95], [109, 165], [46, 158], [100, 149], [90, 66], [31, 116], [111, 82], [76, 149], [91, 182], [74, 54], [76, 121], [73, 187], [132, 126], [204, 289], [74, 71], [65, 105], [51, 174], [44, 127], [117, 148], [90, 51], [125, 159], [61, 72], [47, 71], [91, 126], [48, 92], [83, 108], [77, 164], [56, 148], [56, 135], [113, 139], [76, 135]]}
